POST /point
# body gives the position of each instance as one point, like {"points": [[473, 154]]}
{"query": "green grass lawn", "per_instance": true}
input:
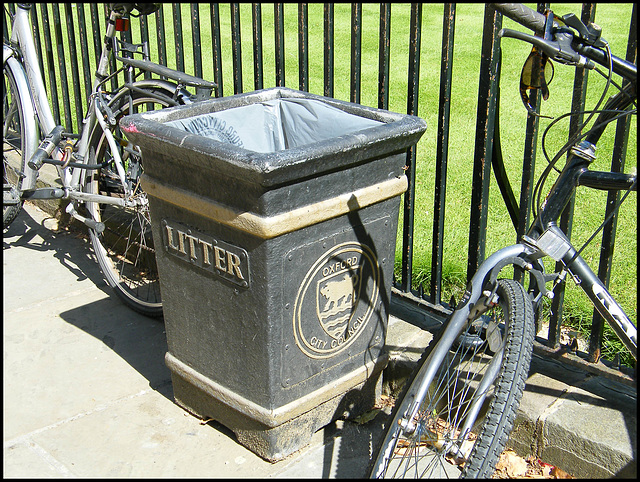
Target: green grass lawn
{"points": [[589, 208]]}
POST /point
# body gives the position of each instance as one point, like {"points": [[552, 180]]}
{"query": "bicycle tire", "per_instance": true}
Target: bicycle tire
{"points": [[125, 250], [436, 448], [16, 147]]}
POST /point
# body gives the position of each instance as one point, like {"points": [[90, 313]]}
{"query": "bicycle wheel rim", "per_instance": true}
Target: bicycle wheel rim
{"points": [[437, 448]]}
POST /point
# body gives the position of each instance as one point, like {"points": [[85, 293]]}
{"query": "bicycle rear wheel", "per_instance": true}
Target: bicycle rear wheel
{"points": [[467, 413], [125, 249]]}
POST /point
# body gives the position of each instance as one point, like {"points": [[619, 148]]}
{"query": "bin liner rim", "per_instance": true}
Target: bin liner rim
{"points": [[247, 98], [397, 133]]}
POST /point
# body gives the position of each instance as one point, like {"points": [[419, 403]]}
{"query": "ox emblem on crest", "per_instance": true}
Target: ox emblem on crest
{"points": [[336, 299]]}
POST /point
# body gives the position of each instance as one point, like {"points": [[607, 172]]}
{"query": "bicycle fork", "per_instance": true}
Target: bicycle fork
{"points": [[475, 300]]}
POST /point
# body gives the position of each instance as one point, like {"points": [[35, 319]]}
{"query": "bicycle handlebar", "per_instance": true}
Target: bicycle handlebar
{"points": [[523, 15], [569, 45]]}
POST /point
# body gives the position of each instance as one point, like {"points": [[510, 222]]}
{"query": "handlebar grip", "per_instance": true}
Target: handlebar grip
{"points": [[523, 15], [45, 148]]}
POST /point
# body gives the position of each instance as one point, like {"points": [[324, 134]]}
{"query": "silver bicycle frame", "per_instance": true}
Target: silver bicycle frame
{"points": [[71, 177]]}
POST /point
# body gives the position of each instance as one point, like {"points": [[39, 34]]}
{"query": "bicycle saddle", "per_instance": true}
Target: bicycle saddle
{"points": [[142, 8]]}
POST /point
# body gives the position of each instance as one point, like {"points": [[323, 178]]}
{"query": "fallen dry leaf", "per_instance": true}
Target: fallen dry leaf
{"points": [[384, 401], [511, 464], [557, 473]]}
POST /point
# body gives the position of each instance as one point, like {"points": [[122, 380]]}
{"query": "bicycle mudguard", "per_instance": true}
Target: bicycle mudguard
{"points": [[30, 126]]}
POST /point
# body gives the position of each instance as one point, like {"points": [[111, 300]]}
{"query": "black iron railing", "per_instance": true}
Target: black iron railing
{"points": [[68, 59]]}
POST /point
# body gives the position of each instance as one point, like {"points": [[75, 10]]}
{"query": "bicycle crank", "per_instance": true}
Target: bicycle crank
{"points": [[95, 225]]}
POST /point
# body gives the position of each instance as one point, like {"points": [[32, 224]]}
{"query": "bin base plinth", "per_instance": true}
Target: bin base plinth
{"points": [[274, 434]]}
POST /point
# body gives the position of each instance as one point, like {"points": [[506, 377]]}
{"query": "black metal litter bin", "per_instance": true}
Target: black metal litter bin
{"points": [[274, 215]]}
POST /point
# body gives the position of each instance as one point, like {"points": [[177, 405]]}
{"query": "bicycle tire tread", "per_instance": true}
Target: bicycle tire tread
{"points": [[507, 398]]}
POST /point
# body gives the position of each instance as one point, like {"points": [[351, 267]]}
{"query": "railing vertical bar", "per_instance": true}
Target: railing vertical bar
{"points": [[485, 123], [236, 48], [258, 67], [415, 37], [177, 35], [356, 54], [144, 37], [618, 159], [7, 15], [73, 57], [53, 84], [528, 167], [442, 151], [161, 38], [413, 88], [62, 63], [84, 49], [5, 23], [112, 61], [279, 44], [328, 50], [38, 39], [95, 29], [126, 34], [217, 53], [383, 56], [144, 28], [196, 39], [303, 47], [566, 219]]}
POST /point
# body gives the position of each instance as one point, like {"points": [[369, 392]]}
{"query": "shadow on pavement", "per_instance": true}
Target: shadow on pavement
{"points": [[138, 340], [70, 247]]}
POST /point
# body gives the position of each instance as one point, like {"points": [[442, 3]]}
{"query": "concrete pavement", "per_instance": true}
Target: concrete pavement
{"points": [[87, 393]]}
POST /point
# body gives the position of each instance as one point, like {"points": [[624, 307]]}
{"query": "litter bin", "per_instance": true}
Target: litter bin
{"points": [[274, 216]]}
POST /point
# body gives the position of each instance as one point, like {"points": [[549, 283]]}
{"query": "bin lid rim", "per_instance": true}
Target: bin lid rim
{"points": [[388, 138], [397, 133]]}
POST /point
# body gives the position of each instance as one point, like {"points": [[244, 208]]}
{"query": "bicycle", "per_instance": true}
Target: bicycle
{"points": [[98, 169], [457, 410]]}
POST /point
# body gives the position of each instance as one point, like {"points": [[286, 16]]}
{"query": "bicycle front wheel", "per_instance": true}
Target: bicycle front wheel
{"points": [[468, 406], [17, 144], [125, 249]]}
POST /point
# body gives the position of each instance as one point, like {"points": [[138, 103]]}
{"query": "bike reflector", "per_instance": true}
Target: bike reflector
{"points": [[122, 24]]}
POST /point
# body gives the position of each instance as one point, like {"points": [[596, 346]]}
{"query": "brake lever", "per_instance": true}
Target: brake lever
{"points": [[590, 34], [559, 49]]}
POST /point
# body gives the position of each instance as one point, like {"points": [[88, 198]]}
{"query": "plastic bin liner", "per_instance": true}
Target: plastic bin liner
{"points": [[275, 125]]}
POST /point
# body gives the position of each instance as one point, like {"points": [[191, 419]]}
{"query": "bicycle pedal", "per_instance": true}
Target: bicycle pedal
{"points": [[10, 195]]}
